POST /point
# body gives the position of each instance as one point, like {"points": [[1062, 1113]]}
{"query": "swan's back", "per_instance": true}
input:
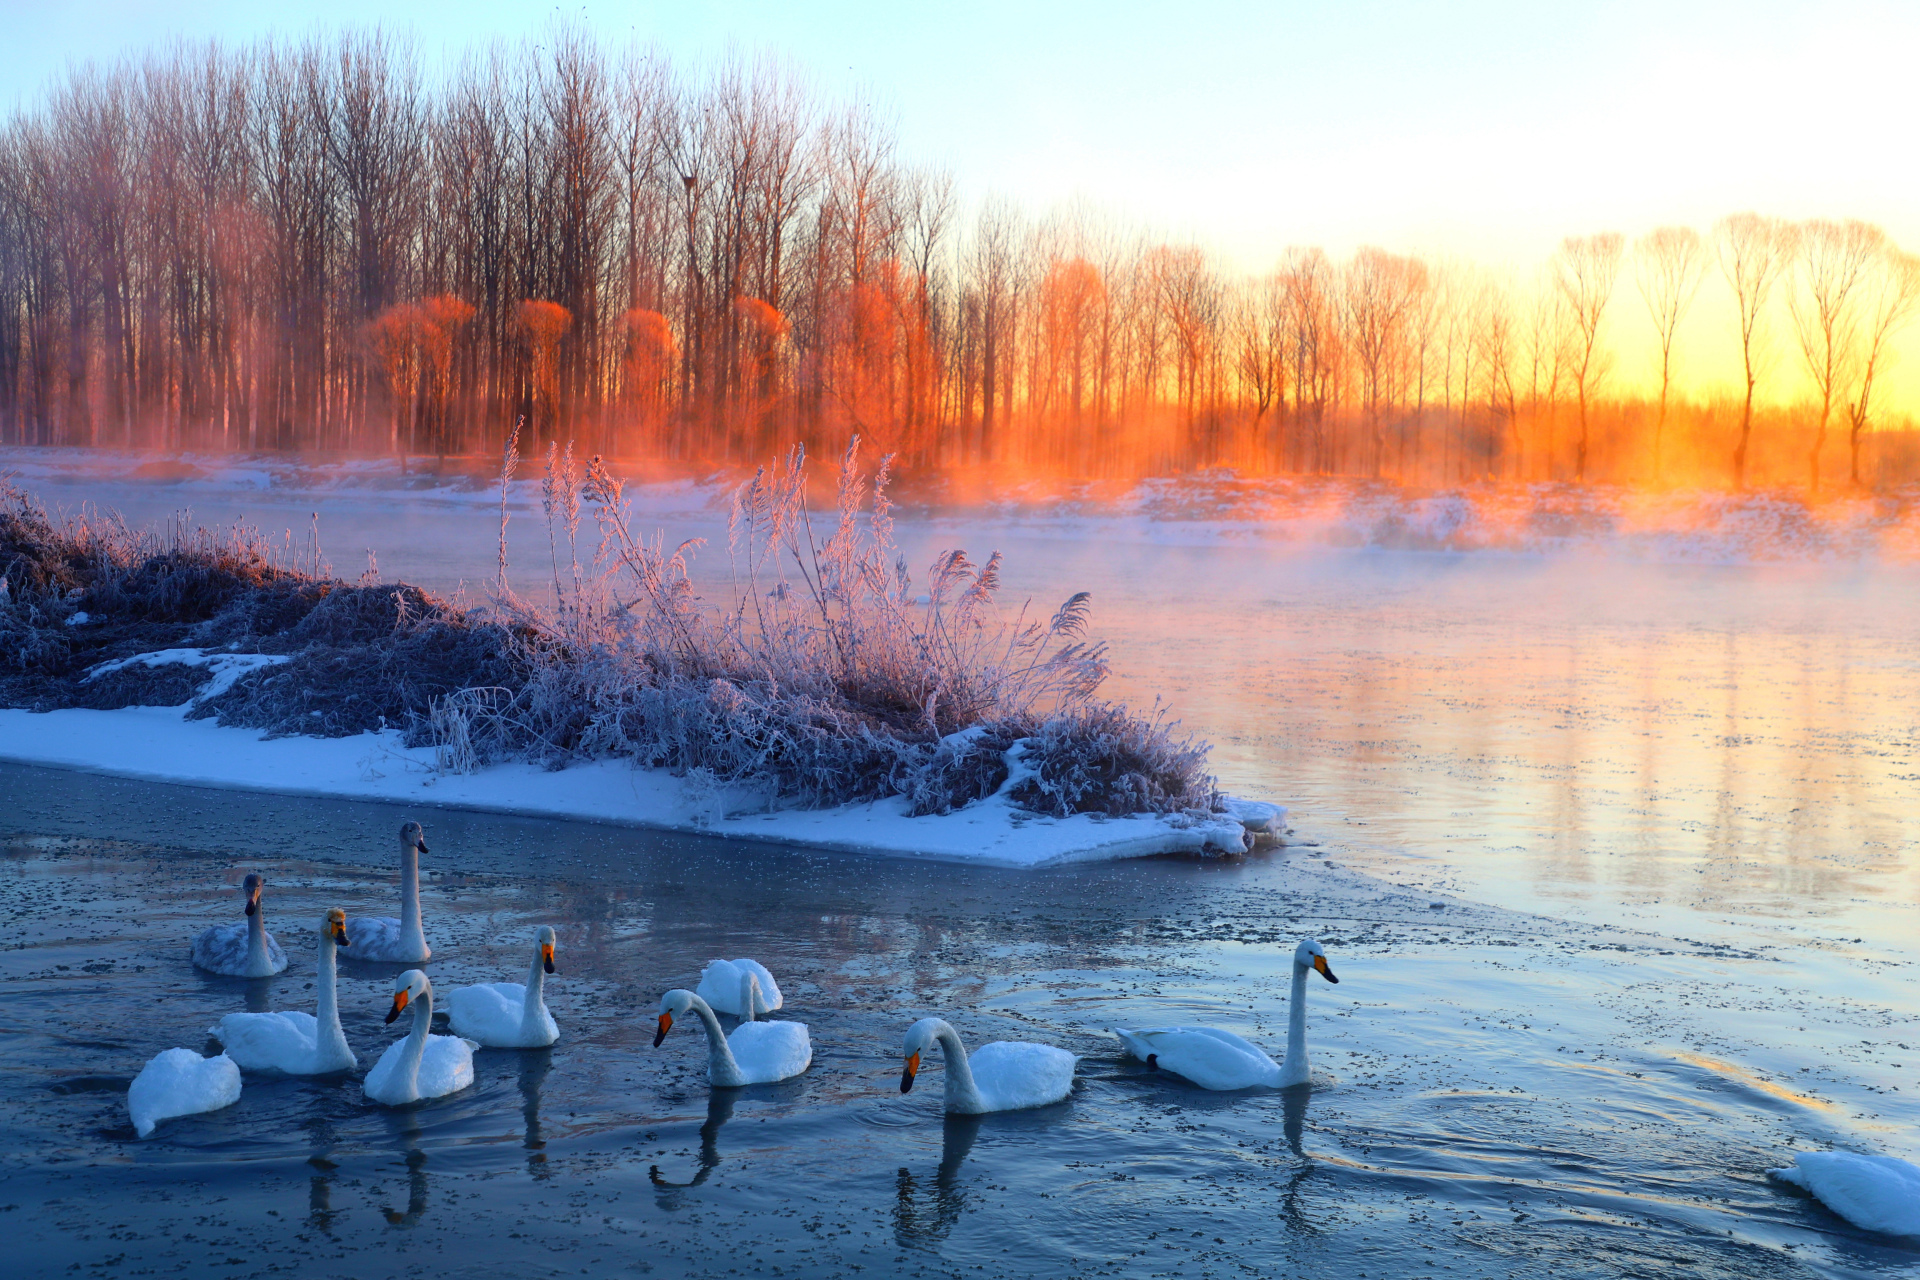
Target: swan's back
{"points": [[379, 938], [1875, 1193], [445, 1067], [769, 1051], [1012, 1075], [179, 1082], [269, 1041], [222, 948], [1209, 1057], [720, 985], [493, 1013]]}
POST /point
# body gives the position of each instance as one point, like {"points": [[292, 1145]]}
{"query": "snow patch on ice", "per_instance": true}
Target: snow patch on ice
{"points": [[159, 744]]}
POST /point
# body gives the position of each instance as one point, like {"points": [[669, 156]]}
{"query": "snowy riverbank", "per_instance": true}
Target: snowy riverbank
{"points": [[160, 744]]}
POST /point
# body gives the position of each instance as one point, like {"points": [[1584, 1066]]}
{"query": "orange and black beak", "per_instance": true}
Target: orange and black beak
{"points": [[253, 902], [1320, 963], [340, 934], [546, 957], [666, 1025], [421, 844], [399, 1004], [908, 1072]]}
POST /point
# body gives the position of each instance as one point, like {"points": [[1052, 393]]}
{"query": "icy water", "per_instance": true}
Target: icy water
{"points": [[1667, 812]]}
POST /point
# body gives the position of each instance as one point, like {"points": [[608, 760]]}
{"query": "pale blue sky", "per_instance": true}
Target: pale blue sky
{"points": [[1488, 128]]}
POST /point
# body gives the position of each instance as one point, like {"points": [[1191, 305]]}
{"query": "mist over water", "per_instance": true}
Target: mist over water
{"points": [[1667, 807]]}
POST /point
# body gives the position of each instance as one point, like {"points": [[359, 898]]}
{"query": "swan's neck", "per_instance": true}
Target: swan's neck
{"points": [[722, 1069], [330, 1040], [963, 1095], [536, 988], [750, 1000], [416, 1047], [257, 962], [411, 938], [1294, 1070]]}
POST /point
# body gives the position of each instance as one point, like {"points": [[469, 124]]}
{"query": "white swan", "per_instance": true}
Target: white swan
{"points": [[397, 941], [423, 1065], [299, 1044], [756, 1052], [722, 983], [179, 1082], [1222, 1060], [508, 1015], [1874, 1193], [243, 949], [1006, 1075]]}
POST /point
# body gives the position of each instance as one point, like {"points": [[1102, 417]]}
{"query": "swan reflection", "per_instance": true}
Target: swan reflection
{"points": [[719, 1111], [320, 1210], [1293, 1125], [534, 1065], [416, 1162], [915, 1224]]}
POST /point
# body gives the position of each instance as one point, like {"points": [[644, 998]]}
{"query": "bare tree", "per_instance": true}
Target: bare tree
{"points": [[1753, 251], [1586, 268], [1830, 263], [1890, 296], [1670, 263]]}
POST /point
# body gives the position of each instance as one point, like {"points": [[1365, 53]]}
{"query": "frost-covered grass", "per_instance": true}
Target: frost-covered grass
{"points": [[826, 675]]}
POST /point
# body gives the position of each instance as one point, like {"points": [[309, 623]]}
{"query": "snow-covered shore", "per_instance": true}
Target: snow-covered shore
{"points": [[160, 744]]}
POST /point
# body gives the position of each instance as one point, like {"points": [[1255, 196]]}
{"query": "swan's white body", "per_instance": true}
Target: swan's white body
{"points": [[723, 985], [1006, 1075], [1874, 1193], [1211, 1059], [299, 1044], [756, 1052], [423, 1065], [179, 1082], [243, 949], [399, 941], [508, 1015], [1221, 1060]]}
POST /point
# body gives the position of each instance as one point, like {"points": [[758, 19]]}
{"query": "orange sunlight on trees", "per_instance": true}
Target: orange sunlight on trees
{"points": [[306, 246]]}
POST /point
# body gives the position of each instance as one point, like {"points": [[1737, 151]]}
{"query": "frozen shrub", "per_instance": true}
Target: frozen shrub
{"points": [[826, 678]]}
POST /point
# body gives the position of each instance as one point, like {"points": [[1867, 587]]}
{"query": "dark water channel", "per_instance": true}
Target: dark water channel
{"points": [[1503, 1094]]}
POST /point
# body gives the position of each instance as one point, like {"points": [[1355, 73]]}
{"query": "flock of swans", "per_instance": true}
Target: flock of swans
{"points": [[1006, 1075], [1878, 1193]]}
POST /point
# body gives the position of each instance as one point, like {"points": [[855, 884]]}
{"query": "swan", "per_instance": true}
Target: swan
{"points": [[508, 1015], [423, 1065], [1222, 1060], [1007, 1075], [397, 941], [243, 949], [756, 1052], [722, 984], [1874, 1193], [299, 1044], [179, 1082]]}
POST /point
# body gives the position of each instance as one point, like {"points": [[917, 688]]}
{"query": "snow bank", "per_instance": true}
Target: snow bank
{"points": [[159, 744]]}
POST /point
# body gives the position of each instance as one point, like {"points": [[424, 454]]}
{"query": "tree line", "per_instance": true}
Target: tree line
{"points": [[310, 246]]}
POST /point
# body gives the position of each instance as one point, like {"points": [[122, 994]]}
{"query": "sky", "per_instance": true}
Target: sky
{"points": [[1475, 129], [1489, 130]]}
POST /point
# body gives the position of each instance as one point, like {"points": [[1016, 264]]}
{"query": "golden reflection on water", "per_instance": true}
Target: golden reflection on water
{"points": [[1720, 740]]}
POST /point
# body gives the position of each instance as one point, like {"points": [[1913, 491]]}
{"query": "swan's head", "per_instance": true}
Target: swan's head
{"points": [[335, 927], [250, 891], [920, 1038], [407, 988], [673, 1005], [412, 838], [547, 939], [1311, 955]]}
